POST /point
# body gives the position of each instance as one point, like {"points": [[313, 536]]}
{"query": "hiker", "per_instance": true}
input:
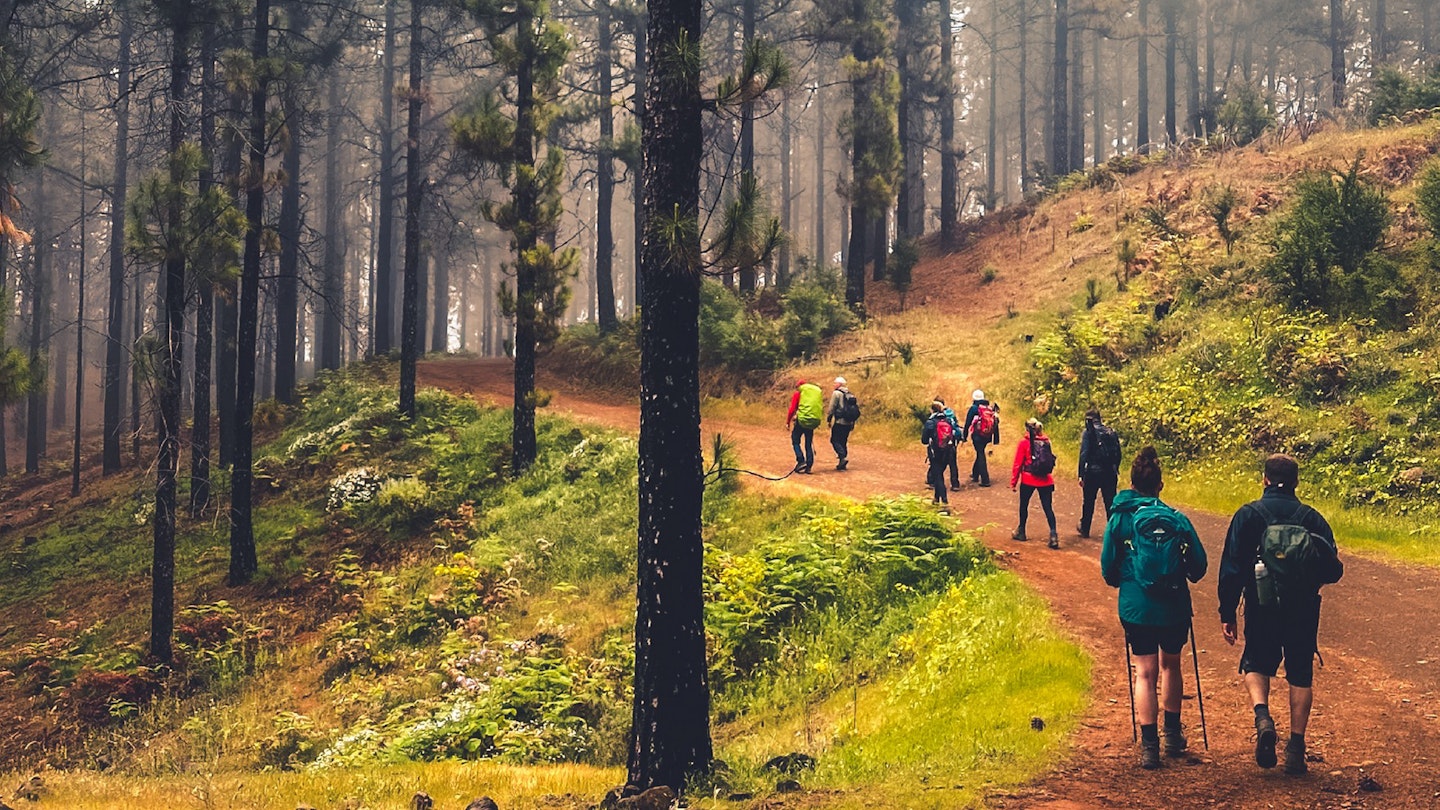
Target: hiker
{"points": [[1099, 467], [807, 410], [1034, 471], [938, 436], [841, 415], [1149, 552], [1278, 554], [953, 451], [982, 428]]}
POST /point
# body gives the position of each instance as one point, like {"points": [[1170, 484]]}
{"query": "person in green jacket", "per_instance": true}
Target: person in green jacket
{"points": [[1149, 553], [807, 411]]}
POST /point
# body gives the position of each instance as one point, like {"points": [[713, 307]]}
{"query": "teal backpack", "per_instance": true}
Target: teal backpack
{"points": [[1159, 542], [1293, 554]]}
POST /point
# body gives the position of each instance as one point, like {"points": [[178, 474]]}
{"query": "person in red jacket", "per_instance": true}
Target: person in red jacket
{"points": [[1034, 471]]}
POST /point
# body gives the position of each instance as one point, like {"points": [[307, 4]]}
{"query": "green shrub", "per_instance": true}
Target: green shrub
{"points": [[1246, 113], [1396, 94], [1427, 196]]}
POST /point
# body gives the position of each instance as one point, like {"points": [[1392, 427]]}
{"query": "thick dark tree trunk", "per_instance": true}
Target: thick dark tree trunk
{"points": [[1059, 87], [642, 74], [383, 329], [747, 128], [114, 404], [79, 315], [855, 256], [1142, 89], [522, 430], [172, 336], [228, 299], [949, 164], [881, 245], [670, 733], [287, 285], [905, 37], [414, 187], [1172, 47], [205, 297], [787, 204], [243, 563], [440, 316], [332, 307], [605, 174], [1337, 54], [35, 421]]}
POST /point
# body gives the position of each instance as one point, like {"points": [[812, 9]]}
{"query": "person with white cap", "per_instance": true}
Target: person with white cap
{"points": [[843, 411], [982, 428]]}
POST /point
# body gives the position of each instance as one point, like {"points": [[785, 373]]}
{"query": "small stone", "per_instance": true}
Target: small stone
{"points": [[656, 798], [788, 786], [1369, 785], [1414, 475], [1037, 724], [792, 763]]}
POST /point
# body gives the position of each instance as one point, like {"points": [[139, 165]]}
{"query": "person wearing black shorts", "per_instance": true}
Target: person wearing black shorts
{"points": [[1156, 616], [1287, 632]]}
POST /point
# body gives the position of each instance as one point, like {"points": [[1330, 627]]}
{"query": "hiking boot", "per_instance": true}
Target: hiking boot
{"points": [[1265, 742], [1082, 532], [1054, 540], [1295, 758], [1019, 534], [842, 465], [1149, 754], [985, 483], [1175, 742]]}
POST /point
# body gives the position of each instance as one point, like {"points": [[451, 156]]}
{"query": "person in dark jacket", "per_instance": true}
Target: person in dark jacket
{"points": [[840, 424], [937, 450], [1156, 622], [980, 439], [952, 452], [1287, 631], [1099, 468]]}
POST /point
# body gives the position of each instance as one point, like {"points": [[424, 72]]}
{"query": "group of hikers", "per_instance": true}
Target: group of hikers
{"points": [[1278, 554]]}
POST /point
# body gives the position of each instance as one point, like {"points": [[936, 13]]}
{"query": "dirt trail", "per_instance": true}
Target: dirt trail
{"points": [[1377, 697]]}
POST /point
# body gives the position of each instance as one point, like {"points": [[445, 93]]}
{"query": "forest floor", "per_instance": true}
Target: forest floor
{"points": [[1377, 709]]}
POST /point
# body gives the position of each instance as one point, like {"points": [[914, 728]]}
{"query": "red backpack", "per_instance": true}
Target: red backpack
{"points": [[944, 432], [984, 424]]}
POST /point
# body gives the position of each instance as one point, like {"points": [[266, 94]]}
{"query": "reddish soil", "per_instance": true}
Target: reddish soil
{"points": [[1377, 696]]}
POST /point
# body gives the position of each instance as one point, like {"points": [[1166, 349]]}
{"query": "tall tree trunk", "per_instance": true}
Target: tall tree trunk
{"points": [[414, 182], [787, 204], [383, 328], [605, 174], [440, 320], [992, 112], [855, 256], [1172, 46], [332, 307], [1337, 54], [670, 732], [115, 314], [642, 74], [172, 336], [1077, 100], [905, 112], [747, 128], [243, 562], [35, 423], [228, 303], [287, 285], [79, 311], [4, 290], [1024, 94], [1193, 113], [522, 430], [822, 253], [137, 330], [1059, 99], [1142, 88], [1097, 122], [949, 169], [881, 244], [205, 296], [1380, 47]]}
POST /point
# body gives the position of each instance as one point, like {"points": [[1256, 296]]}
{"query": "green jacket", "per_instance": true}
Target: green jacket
{"points": [[1136, 605]]}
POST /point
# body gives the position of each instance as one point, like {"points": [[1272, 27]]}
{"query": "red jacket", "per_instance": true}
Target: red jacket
{"points": [[1018, 475]]}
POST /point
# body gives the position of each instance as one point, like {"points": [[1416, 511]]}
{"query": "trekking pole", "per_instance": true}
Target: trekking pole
{"points": [[1199, 693], [1130, 681]]}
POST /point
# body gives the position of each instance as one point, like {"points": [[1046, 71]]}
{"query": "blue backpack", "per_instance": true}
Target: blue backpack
{"points": [[1159, 543]]}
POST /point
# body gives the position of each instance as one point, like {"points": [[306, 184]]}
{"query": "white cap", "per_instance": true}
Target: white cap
{"points": [[978, 395], [839, 380]]}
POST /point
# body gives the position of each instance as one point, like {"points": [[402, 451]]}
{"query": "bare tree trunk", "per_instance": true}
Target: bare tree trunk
{"points": [[440, 319], [1337, 54], [287, 285], [1193, 112], [992, 104], [1024, 133], [1059, 100], [333, 304], [1077, 100], [1097, 122], [228, 307], [605, 174], [414, 187], [205, 297], [670, 732], [35, 422], [1142, 88], [1380, 47], [822, 253], [79, 313], [787, 138], [243, 562], [383, 328], [114, 404], [642, 74], [1172, 44], [949, 170]]}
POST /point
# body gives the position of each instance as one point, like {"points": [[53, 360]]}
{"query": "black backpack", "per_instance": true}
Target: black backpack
{"points": [[1293, 554], [1042, 457], [849, 407], [1107, 455]]}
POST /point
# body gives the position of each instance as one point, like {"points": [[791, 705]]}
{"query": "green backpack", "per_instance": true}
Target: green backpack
{"points": [[1293, 554], [1159, 542]]}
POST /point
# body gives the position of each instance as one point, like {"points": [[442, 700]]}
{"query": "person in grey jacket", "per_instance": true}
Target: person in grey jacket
{"points": [[840, 425]]}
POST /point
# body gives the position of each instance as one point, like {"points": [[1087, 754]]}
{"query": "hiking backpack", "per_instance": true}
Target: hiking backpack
{"points": [[1293, 554], [944, 432], [984, 424], [1042, 458], [1158, 546], [1107, 449], [849, 407]]}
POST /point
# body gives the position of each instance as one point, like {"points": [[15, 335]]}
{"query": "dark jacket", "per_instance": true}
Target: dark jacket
{"points": [[1090, 464], [970, 417], [1242, 546], [1137, 606], [927, 432]]}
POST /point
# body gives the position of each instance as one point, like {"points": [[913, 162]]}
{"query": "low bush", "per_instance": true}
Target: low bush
{"points": [[1396, 94]]}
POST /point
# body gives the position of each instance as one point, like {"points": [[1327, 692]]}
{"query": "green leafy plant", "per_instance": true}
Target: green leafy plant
{"points": [[1245, 114]]}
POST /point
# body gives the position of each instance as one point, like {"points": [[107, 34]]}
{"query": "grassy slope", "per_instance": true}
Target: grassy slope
{"points": [[361, 611], [967, 332]]}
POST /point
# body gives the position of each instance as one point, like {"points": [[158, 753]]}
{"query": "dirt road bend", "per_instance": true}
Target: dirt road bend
{"points": [[1377, 710]]}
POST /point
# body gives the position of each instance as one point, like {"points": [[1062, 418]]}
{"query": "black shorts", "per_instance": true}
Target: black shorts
{"points": [[1286, 634], [1149, 639]]}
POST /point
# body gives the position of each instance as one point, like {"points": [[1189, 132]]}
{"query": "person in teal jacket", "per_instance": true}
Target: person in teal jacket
{"points": [[1151, 572]]}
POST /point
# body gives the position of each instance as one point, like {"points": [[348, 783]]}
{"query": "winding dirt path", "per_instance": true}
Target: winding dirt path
{"points": [[1377, 697]]}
